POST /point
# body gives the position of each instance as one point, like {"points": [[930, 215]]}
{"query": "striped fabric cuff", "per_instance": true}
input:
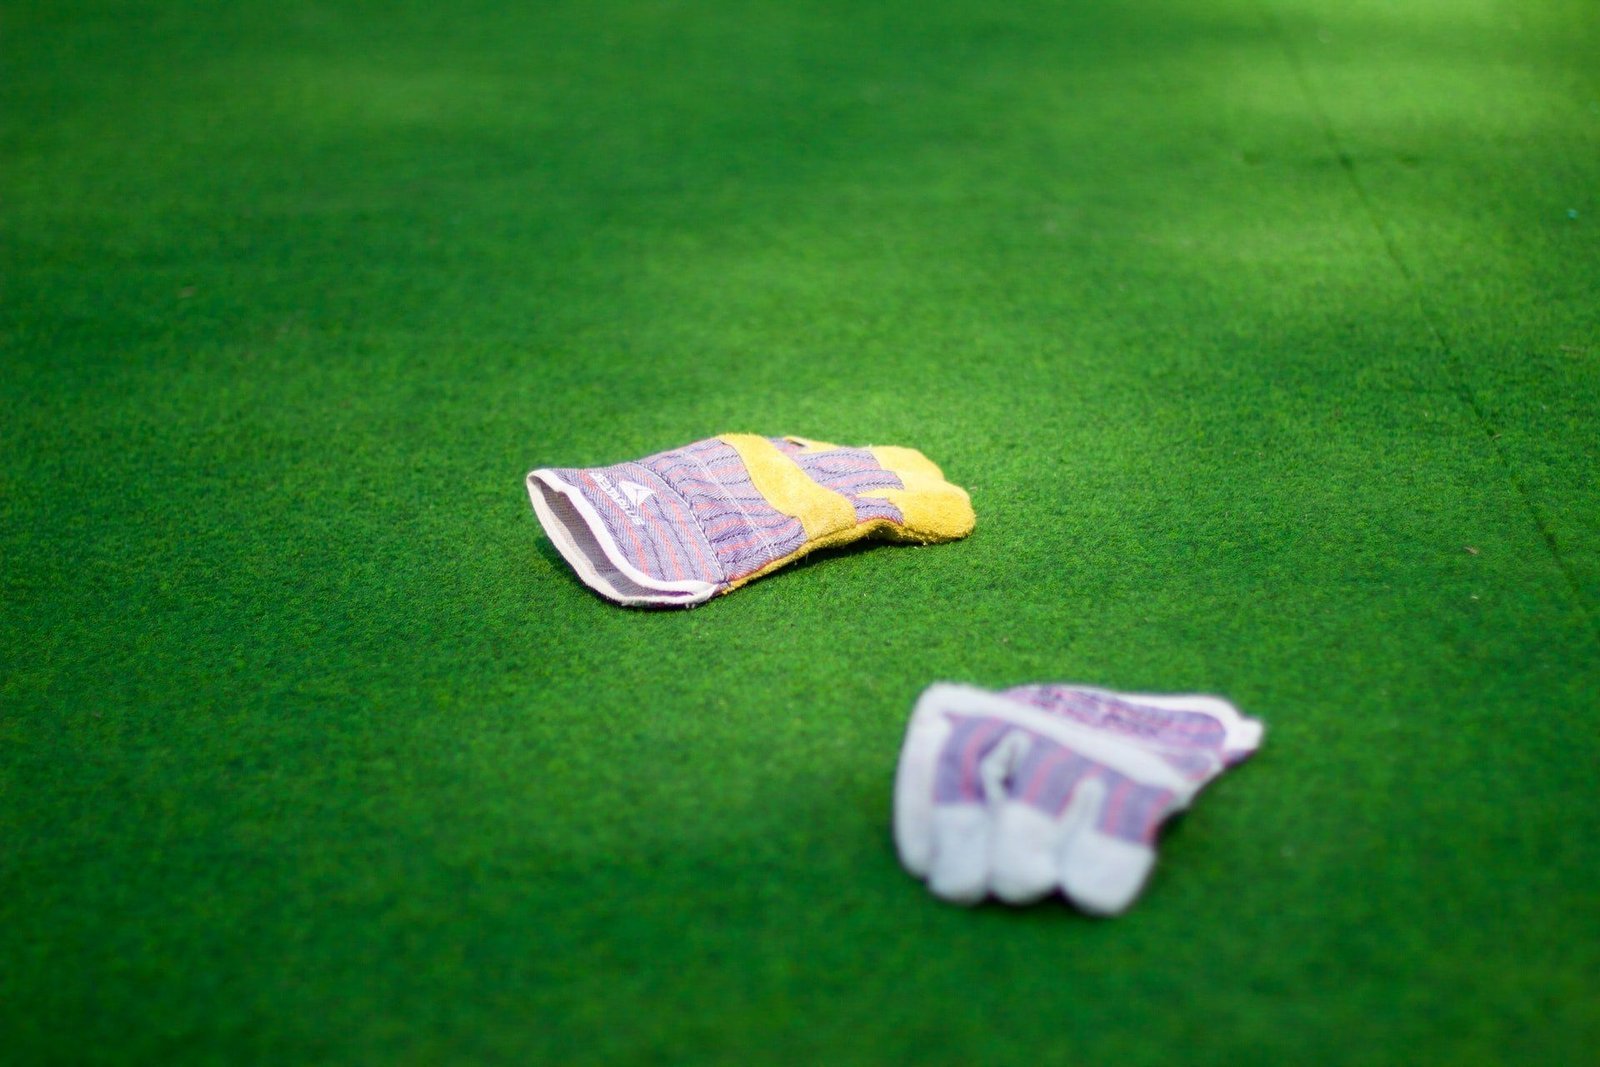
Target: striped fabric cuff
{"points": [[675, 528]]}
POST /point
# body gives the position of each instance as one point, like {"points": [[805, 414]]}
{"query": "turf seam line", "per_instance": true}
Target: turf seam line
{"points": [[1453, 369]]}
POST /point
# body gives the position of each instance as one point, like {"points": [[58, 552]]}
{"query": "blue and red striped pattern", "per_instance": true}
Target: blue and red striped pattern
{"points": [[848, 472], [1190, 740], [664, 542], [700, 519], [745, 532], [1045, 778]]}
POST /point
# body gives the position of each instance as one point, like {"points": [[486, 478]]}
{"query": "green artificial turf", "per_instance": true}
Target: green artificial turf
{"points": [[1266, 337]]}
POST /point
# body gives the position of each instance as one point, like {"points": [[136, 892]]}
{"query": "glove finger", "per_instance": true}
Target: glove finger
{"points": [[1023, 853], [931, 508], [959, 869], [900, 486], [1099, 873], [917, 779], [907, 463], [963, 832]]}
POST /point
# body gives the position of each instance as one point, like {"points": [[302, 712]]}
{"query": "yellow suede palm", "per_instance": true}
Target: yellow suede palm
{"points": [[838, 495]]}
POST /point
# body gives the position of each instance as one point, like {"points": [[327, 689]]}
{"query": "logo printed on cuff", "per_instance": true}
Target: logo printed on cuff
{"points": [[636, 495], [636, 492]]}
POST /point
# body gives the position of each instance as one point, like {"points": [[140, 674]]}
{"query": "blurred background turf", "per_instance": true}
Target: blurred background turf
{"points": [[1265, 335]]}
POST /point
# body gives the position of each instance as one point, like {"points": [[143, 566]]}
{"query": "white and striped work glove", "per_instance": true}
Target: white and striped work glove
{"points": [[1053, 787]]}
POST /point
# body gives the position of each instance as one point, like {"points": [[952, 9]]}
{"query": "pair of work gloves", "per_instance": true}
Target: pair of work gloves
{"points": [[1017, 794]]}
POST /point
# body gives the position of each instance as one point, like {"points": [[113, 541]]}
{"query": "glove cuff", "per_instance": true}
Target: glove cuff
{"points": [[595, 522], [675, 528]]}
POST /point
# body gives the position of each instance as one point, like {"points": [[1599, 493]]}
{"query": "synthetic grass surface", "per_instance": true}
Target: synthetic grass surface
{"points": [[1265, 336]]}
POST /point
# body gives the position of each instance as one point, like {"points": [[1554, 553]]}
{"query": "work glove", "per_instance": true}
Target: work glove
{"points": [[1053, 787], [682, 526]]}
